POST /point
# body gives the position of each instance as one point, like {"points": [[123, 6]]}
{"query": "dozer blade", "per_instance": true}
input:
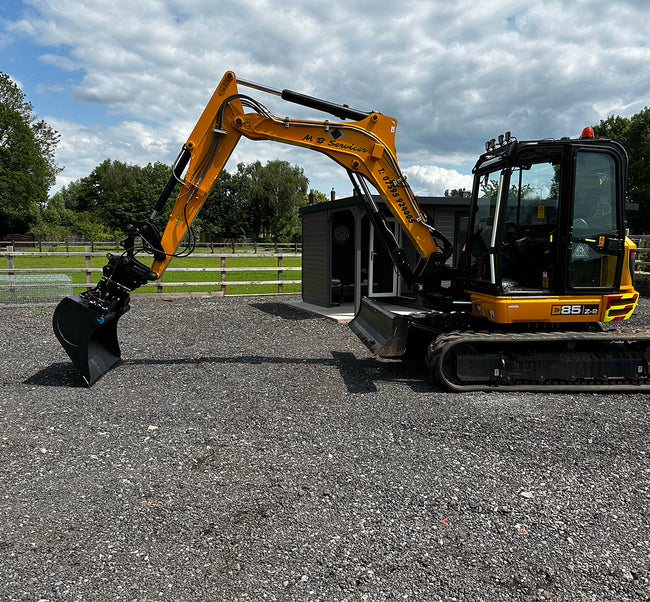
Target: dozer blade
{"points": [[88, 333], [382, 331]]}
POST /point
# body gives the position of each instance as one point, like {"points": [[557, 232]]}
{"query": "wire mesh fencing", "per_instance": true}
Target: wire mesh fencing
{"points": [[24, 290]]}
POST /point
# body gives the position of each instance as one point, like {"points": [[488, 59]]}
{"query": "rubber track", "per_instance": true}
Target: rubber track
{"points": [[442, 345]]}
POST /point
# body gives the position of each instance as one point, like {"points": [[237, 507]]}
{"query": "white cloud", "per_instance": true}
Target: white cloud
{"points": [[453, 74], [129, 141], [430, 180]]}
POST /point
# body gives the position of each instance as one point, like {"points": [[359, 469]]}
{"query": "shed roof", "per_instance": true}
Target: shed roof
{"points": [[354, 201]]}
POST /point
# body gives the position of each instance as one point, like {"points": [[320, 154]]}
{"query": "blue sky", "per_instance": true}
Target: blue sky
{"points": [[43, 83], [127, 80]]}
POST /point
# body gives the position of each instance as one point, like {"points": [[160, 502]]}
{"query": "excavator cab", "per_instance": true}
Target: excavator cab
{"points": [[548, 222], [546, 264]]}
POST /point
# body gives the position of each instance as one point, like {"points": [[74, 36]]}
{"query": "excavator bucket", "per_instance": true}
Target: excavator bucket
{"points": [[89, 335], [385, 333]]}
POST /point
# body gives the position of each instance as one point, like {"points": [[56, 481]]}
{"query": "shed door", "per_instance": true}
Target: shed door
{"points": [[382, 275]]}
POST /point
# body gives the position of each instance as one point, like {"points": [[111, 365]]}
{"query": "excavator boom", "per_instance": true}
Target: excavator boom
{"points": [[365, 147]]}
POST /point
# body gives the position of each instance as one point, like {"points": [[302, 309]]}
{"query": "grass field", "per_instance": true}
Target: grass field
{"points": [[250, 273]]}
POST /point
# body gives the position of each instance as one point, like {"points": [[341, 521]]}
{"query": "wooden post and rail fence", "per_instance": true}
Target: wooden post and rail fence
{"points": [[220, 270]]}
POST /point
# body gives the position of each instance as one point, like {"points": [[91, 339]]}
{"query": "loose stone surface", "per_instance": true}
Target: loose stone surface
{"points": [[244, 450]]}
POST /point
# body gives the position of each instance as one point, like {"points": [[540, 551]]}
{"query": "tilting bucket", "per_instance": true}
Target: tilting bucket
{"points": [[382, 331], [88, 335]]}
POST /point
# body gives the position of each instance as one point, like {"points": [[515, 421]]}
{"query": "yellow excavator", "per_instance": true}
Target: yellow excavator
{"points": [[545, 265]]}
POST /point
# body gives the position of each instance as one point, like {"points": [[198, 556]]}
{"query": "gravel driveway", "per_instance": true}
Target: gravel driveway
{"points": [[247, 451]]}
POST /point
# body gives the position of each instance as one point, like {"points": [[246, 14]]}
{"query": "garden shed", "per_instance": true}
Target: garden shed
{"points": [[342, 261]]}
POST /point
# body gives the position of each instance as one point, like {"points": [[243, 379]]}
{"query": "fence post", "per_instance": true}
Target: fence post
{"points": [[10, 259], [280, 274], [10, 266], [89, 274], [159, 287], [223, 275]]}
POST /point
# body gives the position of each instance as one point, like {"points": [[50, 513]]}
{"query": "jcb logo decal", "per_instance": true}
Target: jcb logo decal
{"points": [[574, 310]]}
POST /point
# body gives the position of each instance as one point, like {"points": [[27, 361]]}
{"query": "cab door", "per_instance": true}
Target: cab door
{"points": [[596, 236]]}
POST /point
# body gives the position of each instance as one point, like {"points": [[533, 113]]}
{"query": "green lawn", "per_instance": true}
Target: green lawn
{"points": [[63, 262]]}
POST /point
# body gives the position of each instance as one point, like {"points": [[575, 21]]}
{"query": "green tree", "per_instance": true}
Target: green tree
{"points": [[225, 212], [278, 190], [457, 192], [634, 134], [137, 200], [64, 215], [110, 193], [27, 167], [55, 221], [259, 200], [489, 188], [117, 194], [71, 195], [112, 196]]}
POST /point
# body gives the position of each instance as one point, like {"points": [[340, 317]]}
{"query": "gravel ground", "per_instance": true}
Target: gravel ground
{"points": [[245, 451]]}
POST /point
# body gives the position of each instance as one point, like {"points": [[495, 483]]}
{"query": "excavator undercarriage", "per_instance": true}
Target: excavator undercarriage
{"points": [[541, 361]]}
